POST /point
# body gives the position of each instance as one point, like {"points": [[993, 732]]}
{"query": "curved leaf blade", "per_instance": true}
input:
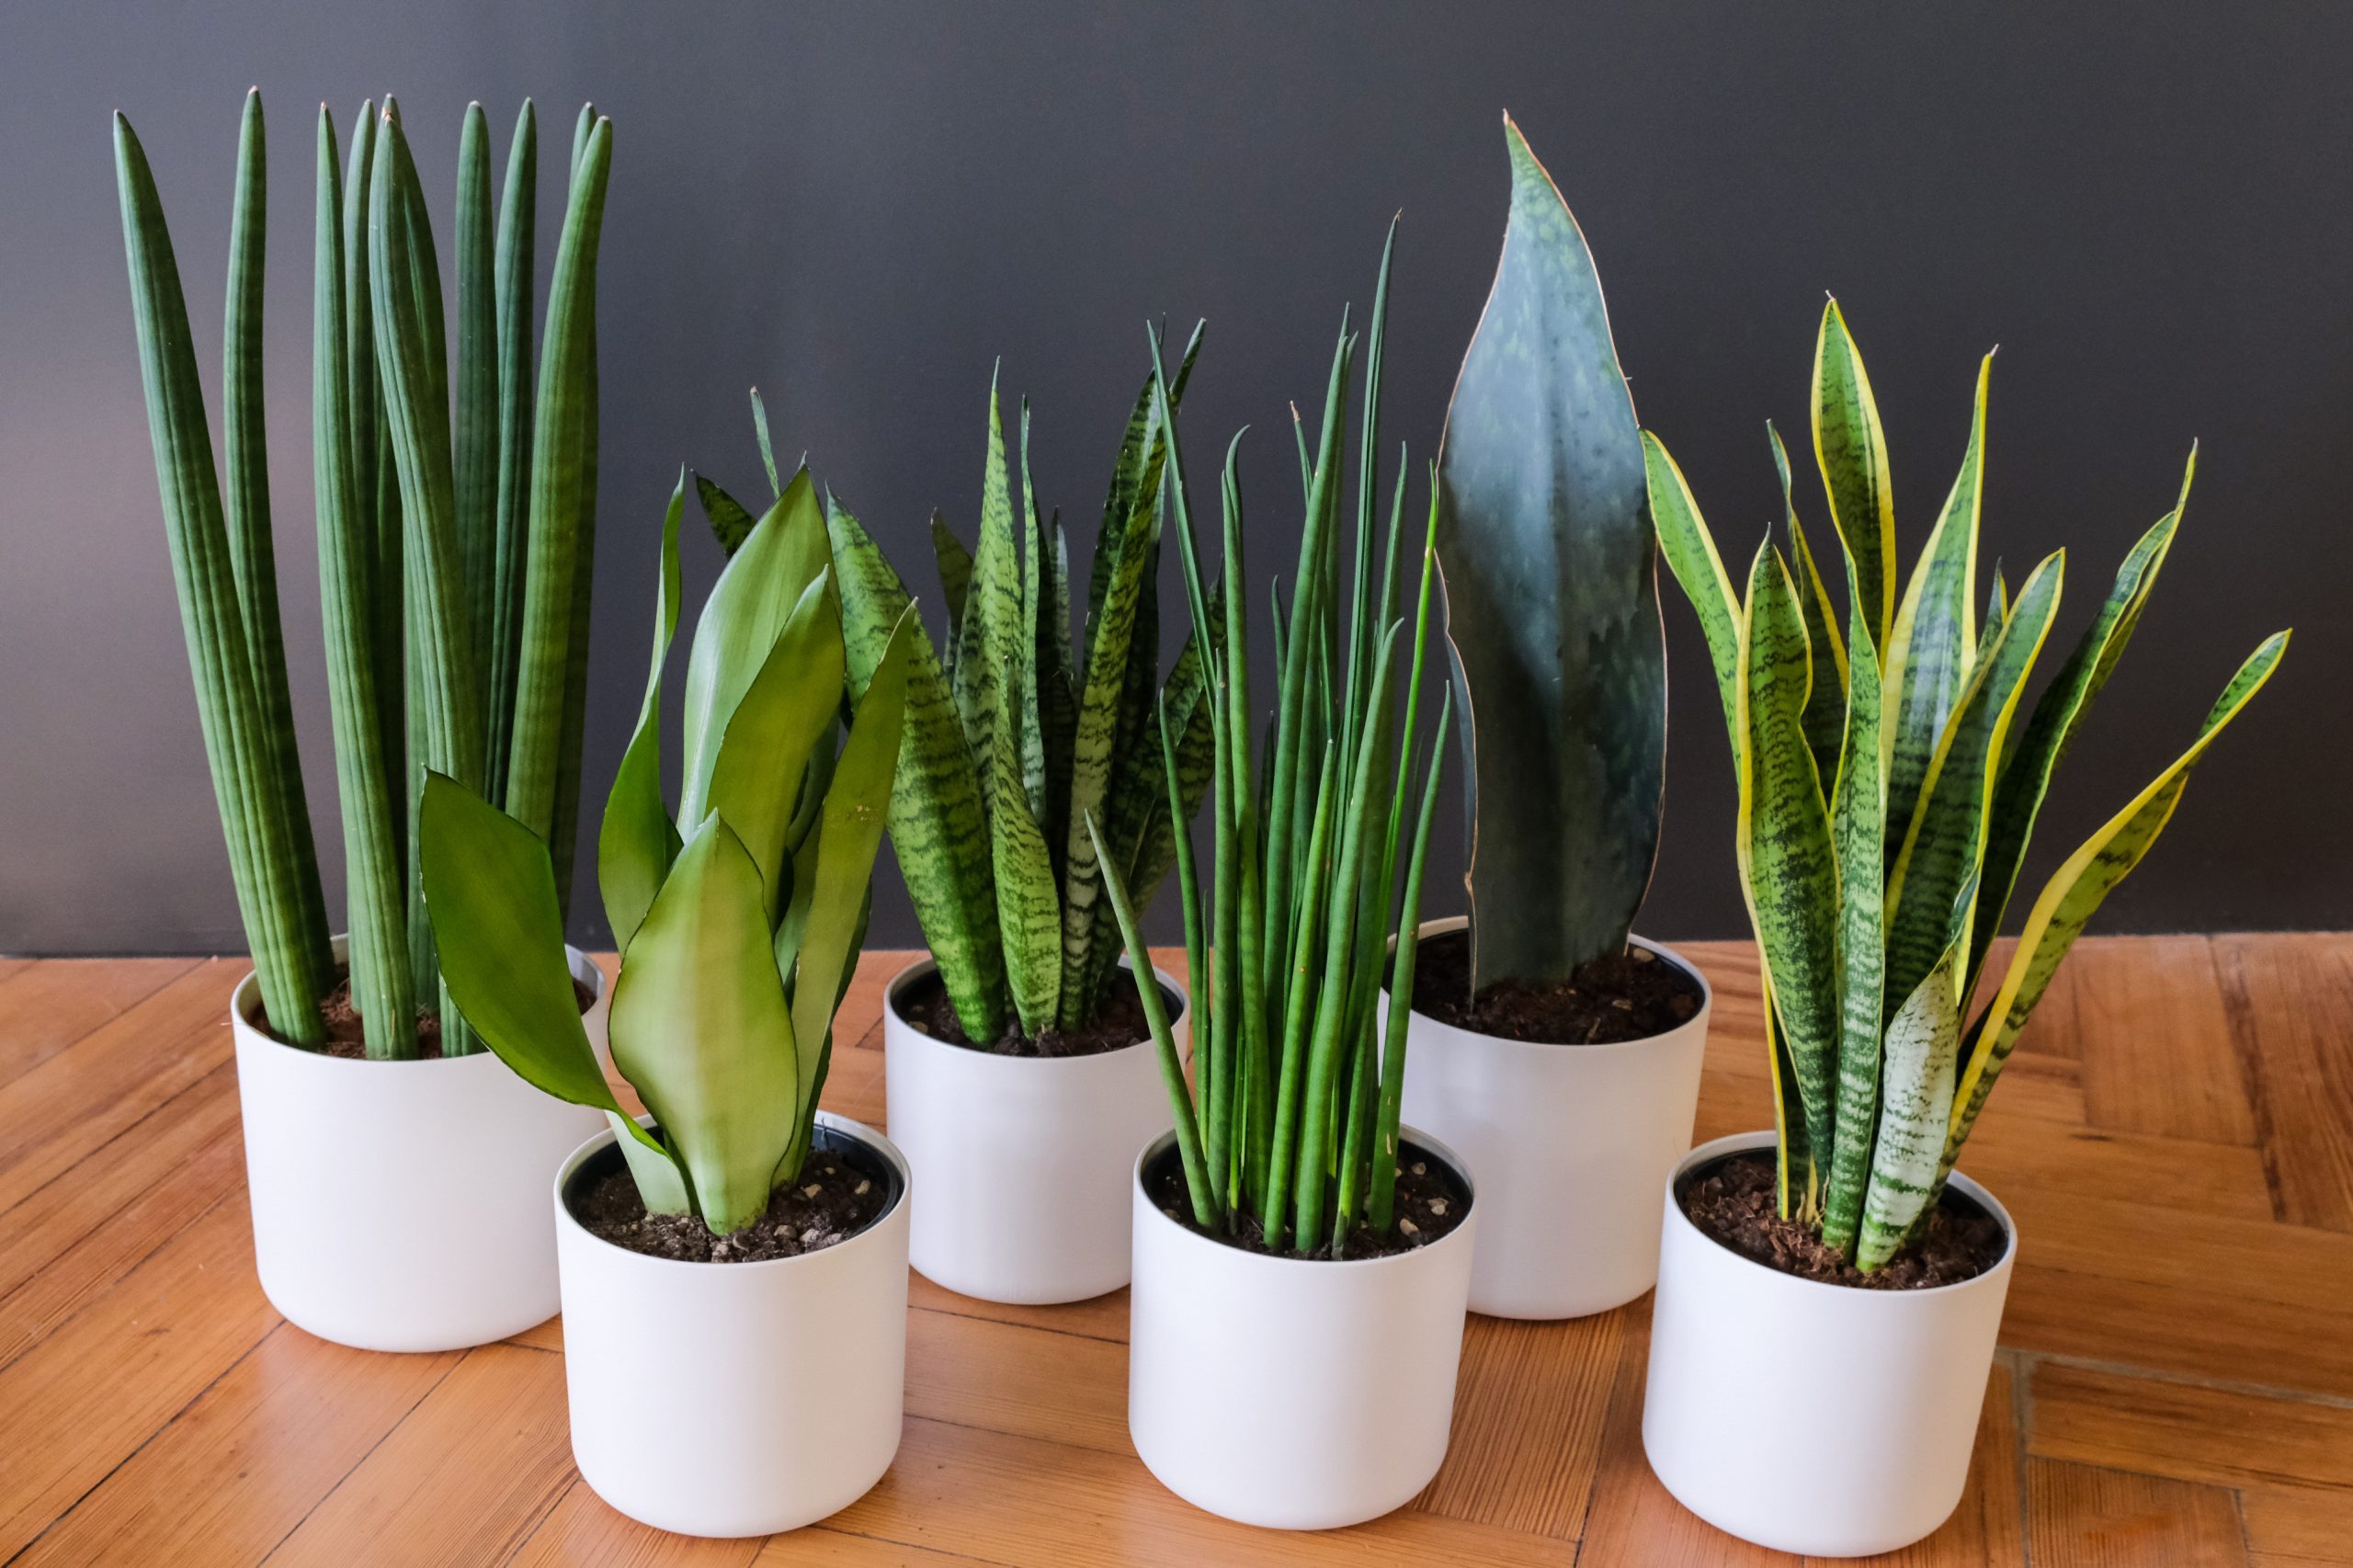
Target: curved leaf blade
{"points": [[1690, 552], [1922, 1040], [637, 841], [1850, 450], [1545, 545], [701, 1031]]}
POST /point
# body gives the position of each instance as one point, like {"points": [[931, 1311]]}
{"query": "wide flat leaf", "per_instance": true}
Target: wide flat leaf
{"points": [[701, 1031], [785, 713], [988, 634], [491, 886], [936, 829], [637, 841], [1028, 912], [1922, 1039], [955, 573], [1851, 451], [1945, 846], [1545, 545], [1857, 830], [846, 837], [748, 606], [1826, 706], [1690, 552], [2028, 763], [1934, 642], [1789, 869], [731, 522], [2077, 890]]}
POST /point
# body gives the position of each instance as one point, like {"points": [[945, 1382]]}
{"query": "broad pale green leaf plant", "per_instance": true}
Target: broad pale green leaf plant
{"points": [[739, 923], [1876, 889]]}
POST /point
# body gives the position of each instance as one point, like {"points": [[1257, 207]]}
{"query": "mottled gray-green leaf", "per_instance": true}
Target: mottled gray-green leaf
{"points": [[1545, 547]]}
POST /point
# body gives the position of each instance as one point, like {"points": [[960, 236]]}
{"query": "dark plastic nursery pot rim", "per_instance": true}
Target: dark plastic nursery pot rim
{"points": [[1447, 924], [1407, 1138], [1714, 1151], [923, 969], [836, 1133]]}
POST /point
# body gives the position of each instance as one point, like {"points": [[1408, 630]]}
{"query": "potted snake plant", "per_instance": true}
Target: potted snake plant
{"points": [[1302, 1259], [1019, 1069], [1835, 1281], [394, 1169], [1559, 1052], [759, 1241]]}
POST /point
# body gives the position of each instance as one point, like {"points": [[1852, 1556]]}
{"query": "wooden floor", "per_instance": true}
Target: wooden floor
{"points": [[2176, 1386]]}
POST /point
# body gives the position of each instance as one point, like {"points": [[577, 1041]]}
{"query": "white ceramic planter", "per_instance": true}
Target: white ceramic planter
{"points": [[1289, 1392], [1866, 1401], [1568, 1143], [736, 1399], [401, 1205], [1025, 1160]]}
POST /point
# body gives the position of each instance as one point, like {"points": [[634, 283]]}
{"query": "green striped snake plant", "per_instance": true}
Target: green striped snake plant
{"points": [[455, 520], [740, 922], [1015, 744], [1890, 781], [1545, 547], [1293, 1118]]}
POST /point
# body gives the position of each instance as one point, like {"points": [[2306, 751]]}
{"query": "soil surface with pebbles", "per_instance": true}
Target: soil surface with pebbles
{"points": [[831, 1202]]}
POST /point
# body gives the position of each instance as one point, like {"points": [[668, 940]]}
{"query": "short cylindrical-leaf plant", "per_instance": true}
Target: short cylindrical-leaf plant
{"points": [[1014, 742], [1291, 1121], [1891, 777], [739, 921], [428, 574]]}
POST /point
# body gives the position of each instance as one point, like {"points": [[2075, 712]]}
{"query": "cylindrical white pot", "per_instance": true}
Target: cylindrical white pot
{"points": [[1290, 1392], [1025, 1160], [736, 1399], [1810, 1417], [401, 1205], [1568, 1143]]}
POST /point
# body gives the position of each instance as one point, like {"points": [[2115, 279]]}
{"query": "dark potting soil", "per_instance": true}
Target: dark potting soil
{"points": [[346, 1031], [842, 1190], [1119, 1021], [1624, 996], [1735, 1204], [1430, 1202]]}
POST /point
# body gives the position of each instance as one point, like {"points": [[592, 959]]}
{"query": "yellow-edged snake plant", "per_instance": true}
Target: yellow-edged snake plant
{"points": [[454, 541], [1890, 780]]}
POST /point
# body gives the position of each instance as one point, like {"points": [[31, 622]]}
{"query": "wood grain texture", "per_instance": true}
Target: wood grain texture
{"points": [[2175, 1357], [2085, 1518], [2287, 998]]}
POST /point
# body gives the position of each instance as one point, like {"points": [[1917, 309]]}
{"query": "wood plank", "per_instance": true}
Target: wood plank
{"points": [[112, 1077], [2188, 1431], [1634, 1522], [2287, 995], [1045, 1505], [92, 1225], [47, 1005], [1102, 1317], [1986, 1529], [1527, 1411], [2085, 1518], [823, 1546], [2217, 1333], [2010, 1153], [2312, 1524], [227, 1479], [2158, 1053], [83, 1400], [1026, 1382], [466, 1479], [581, 1531]]}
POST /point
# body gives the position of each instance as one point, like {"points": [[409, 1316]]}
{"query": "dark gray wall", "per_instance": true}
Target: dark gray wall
{"points": [[858, 208]]}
